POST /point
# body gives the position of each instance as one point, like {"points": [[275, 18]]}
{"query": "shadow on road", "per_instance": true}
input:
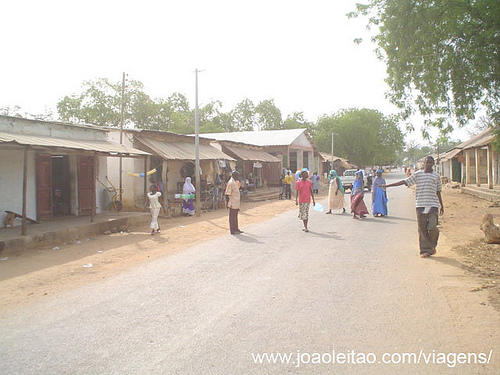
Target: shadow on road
{"points": [[246, 237], [388, 218], [325, 235], [448, 261]]}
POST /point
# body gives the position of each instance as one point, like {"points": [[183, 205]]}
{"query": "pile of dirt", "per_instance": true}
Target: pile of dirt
{"points": [[460, 225], [483, 260]]}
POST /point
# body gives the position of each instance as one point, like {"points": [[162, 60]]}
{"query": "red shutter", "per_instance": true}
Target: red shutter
{"points": [[43, 187]]}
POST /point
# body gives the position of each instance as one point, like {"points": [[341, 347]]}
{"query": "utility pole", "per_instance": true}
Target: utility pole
{"points": [[197, 147], [332, 153], [121, 135]]}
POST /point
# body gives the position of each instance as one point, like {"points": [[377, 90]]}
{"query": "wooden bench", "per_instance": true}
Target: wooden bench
{"points": [[11, 215]]}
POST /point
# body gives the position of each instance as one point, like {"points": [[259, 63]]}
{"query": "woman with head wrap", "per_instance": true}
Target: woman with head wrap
{"points": [[335, 193], [187, 204], [379, 195], [358, 207]]}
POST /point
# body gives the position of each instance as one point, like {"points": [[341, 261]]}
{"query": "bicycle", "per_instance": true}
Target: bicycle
{"points": [[213, 197], [116, 204]]}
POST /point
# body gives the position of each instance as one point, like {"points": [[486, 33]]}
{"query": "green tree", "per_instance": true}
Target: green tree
{"points": [[99, 104], [442, 56], [211, 117], [13, 111], [364, 136], [296, 121], [175, 114], [389, 148], [268, 116], [243, 116]]}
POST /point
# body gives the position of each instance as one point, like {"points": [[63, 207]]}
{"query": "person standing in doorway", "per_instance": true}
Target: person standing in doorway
{"points": [[233, 202], [428, 203], [303, 197], [154, 197], [288, 185]]}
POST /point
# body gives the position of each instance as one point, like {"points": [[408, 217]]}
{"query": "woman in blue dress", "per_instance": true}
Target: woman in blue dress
{"points": [[379, 195]]}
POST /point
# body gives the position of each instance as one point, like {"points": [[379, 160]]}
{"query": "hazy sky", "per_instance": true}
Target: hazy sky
{"points": [[299, 53]]}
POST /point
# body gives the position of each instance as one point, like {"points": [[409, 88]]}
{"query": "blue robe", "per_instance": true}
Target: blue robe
{"points": [[379, 204]]}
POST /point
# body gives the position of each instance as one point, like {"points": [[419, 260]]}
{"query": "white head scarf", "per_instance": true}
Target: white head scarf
{"points": [[188, 187]]}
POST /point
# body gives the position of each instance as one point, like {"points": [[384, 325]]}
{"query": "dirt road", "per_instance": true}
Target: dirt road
{"points": [[359, 285], [43, 272]]}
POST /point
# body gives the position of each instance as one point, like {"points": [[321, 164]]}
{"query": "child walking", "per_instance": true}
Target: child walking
{"points": [[303, 197], [154, 207]]}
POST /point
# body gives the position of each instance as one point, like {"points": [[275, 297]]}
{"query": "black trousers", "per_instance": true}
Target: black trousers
{"points": [[288, 191], [428, 232], [233, 220]]}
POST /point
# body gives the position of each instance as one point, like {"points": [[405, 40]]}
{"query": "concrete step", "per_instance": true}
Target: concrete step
{"points": [[483, 193]]}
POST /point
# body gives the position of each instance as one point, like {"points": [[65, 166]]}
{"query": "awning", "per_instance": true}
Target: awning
{"points": [[450, 154], [102, 147], [182, 150], [252, 154]]}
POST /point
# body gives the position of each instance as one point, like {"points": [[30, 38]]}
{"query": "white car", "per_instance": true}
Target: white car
{"points": [[350, 175]]}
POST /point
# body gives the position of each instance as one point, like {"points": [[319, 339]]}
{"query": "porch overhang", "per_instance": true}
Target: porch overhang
{"points": [[251, 154], [182, 151], [44, 142]]}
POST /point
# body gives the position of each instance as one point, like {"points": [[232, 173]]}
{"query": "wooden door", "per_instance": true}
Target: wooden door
{"points": [[85, 184], [43, 187]]}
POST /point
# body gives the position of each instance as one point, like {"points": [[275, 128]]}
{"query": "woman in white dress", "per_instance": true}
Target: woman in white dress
{"points": [[154, 207], [335, 193]]}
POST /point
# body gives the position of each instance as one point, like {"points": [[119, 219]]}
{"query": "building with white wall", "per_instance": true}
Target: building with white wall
{"points": [[294, 147], [50, 168]]}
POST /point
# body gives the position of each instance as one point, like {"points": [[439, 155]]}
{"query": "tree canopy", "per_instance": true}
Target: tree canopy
{"points": [[100, 103], [442, 56], [364, 136]]}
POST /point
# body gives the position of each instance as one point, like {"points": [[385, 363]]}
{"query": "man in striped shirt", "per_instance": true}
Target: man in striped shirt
{"points": [[428, 202]]}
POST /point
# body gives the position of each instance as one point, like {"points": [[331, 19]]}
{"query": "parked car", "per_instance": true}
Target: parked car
{"points": [[350, 175]]}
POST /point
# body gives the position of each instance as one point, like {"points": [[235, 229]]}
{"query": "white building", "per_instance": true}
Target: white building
{"points": [[51, 168], [294, 147]]}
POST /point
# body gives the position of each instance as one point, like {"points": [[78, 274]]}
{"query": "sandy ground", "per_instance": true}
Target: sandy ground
{"points": [[462, 236], [38, 273]]}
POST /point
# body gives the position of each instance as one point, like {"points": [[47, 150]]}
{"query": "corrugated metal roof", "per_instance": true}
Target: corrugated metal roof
{"points": [[343, 162], [182, 150], [448, 155], [480, 140], [259, 138], [104, 147], [251, 154]]}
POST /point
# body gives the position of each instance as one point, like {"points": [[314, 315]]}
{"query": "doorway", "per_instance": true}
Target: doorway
{"points": [[53, 187], [61, 185]]}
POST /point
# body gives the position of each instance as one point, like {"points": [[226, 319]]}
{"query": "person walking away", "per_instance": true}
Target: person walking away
{"points": [[187, 204], [154, 197], [303, 198], [379, 195], [315, 182], [428, 201], [335, 193], [233, 202], [288, 185], [358, 207]]}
